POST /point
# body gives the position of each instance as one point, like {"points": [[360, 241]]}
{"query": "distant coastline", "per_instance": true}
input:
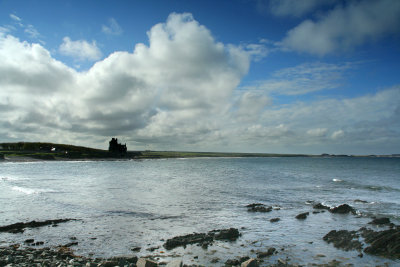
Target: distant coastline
{"points": [[30, 151]]}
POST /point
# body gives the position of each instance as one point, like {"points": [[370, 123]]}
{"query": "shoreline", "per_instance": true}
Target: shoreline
{"points": [[378, 238]]}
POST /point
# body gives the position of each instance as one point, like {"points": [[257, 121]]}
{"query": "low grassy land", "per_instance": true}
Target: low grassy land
{"points": [[51, 151]]}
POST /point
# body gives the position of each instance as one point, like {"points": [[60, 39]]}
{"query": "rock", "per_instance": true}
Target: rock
{"points": [[136, 249], [302, 216], [343, 209], [343, 239], [143, 262], [205, 239], [175, 263], [230, 234], [250, 263], [383, 243], [275, 220], [20, 227], [182, 241], [267, 253], [236, 262], [360, 201], [380, 221], [214, 260], [320, 206], [29, 241], [258, 207], [152, 249]]}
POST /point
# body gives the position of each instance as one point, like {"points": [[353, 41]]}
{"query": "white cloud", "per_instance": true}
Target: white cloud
{"points": [[169, 90], [317, 132], [179, 92], [345, 27], [303, 79], [80, 50], [295, 8], [337, 134], [113, 28], [15, 17], [31, 31]]}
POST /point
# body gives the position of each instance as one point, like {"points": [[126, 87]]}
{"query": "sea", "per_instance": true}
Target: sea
{"points": [[132, 207]]}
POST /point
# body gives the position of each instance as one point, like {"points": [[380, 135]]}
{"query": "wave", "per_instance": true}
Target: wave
{"points": [[368, 187], [30, 191]]}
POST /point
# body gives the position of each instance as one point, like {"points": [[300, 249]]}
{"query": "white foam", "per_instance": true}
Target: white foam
{"points": [[24, 190], [30, 191], [337, 180]]}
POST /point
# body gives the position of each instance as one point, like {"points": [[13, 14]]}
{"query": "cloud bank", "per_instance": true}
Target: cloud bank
{"points": [[181, 92], [344, 27]]}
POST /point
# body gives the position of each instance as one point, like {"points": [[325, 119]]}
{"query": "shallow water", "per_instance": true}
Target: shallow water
{"points": [[126, 204]]}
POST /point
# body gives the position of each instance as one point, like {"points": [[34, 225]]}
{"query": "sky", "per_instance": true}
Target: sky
{"points": [[310, 76]]}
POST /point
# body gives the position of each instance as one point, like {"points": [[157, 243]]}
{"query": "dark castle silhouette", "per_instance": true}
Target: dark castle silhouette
{"points": [[115, 147]]}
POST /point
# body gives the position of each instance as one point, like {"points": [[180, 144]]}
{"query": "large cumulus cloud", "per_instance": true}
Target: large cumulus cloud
{"points": [[182, 91], [182, 76]]}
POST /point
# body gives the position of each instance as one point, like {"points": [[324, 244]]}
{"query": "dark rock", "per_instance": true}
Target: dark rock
{"points": [[236, 262], [384, 243], [302, 216], [152, 249], [343, 209], [380, 221], [205, 239], [320, 206], [250, 263], [136, 249], [230, 234], [182, 241], [360, 201], [258, 207], [20, 227], [29, 241], [343, 239], [71, 244], [275, 220], [267, 253], [215, 260], [232, 262]]}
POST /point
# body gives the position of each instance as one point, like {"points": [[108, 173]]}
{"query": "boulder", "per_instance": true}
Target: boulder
{"points": [[258, 207], [275, 220], [230, 234], [343, 239], [343, 209], [380, 221], [320, 206], [203, 239], [250, 263], [302, 216], [267, 253], [143, 262], [383, 243]]}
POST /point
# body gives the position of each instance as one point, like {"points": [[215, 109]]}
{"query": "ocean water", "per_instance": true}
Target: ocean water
{"points": [[141, 203]]}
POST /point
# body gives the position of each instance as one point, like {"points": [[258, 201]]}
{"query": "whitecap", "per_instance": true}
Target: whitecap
{"points": [[337, 180], [29, 191], [24, 190]]}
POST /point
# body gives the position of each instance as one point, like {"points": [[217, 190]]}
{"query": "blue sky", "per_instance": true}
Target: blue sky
{"points": [[243, 75]]}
